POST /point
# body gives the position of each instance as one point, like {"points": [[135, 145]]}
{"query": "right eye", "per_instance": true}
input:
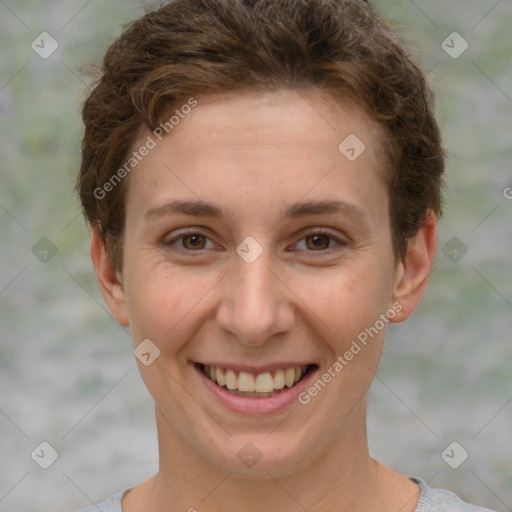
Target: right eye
{"points": [[189, 241]]}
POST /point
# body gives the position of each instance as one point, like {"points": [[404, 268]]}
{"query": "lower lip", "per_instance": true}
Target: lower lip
{"points": [[245, 405]]}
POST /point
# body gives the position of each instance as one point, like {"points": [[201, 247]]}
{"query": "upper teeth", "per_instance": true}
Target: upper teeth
{"points": [[259, 383]]}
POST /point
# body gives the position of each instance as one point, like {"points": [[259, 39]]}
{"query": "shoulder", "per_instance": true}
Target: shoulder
{"points": [[430, 500], [441, 500], [112, 504]]}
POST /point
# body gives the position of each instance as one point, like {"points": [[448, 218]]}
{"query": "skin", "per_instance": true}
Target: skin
{"points": [[254, 155]]}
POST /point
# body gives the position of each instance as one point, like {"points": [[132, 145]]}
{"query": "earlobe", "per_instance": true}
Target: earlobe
{"points": [[109, 280], [414, 271]]}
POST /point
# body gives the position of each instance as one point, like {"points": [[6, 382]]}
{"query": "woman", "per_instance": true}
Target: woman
{"points": [[263, 181]]}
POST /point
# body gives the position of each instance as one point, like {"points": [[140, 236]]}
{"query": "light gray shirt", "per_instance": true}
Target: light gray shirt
{"points": [[431, 500]]}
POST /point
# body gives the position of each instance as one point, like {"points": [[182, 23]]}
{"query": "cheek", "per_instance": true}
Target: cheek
{"points": [[345, 300], [162, 301]]}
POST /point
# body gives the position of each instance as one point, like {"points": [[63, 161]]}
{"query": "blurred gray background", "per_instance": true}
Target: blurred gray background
{"points": [[67, 372]]}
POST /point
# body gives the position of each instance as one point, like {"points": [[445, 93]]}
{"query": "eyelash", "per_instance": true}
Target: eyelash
{"points": [[341, 243]]}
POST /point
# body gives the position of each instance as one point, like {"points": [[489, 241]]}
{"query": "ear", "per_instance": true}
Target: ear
{"points": [[109, 281], [413, 272]]}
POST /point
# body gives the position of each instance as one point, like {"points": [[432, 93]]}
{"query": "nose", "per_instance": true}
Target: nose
{"points": [[255, 302]]}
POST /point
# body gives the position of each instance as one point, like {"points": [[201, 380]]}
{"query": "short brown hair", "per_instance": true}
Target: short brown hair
{"points": [[194, 47]]}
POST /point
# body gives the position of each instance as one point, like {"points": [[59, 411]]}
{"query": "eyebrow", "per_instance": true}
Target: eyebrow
{"points": [[301, 209]]}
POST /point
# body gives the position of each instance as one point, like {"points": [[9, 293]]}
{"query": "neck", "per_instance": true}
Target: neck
{"points": [[339, 477]]}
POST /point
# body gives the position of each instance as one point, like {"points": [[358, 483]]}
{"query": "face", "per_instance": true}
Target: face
{"points": [[258, 259]]}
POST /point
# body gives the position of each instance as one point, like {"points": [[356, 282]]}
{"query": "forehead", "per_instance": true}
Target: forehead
{"points": [[256, 143], [252, 118]]}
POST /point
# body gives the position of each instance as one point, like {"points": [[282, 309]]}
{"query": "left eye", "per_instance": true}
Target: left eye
{"points": [[320, 241]]}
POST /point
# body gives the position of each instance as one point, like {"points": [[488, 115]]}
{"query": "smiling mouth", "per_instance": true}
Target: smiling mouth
{"points": [[261, 385]]}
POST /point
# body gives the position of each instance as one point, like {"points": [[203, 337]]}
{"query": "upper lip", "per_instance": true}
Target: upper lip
{"points": [[251, 368]]}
